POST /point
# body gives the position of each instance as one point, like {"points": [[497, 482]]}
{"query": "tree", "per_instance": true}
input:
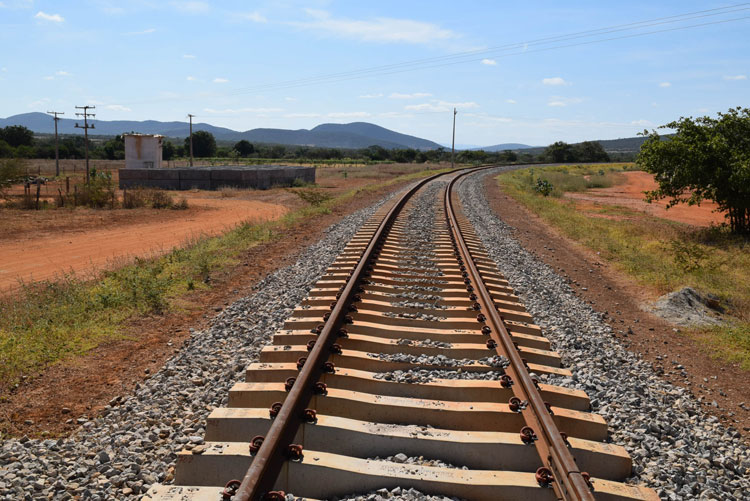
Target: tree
{"points": [[589, 151], [167, 150], [114, 149], [244, 147], [706, 159], [17, 135], [204, 144], [559, 152]]}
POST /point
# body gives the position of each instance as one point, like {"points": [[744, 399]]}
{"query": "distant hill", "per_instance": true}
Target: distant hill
{"points": [[623, 145], [352, 135], [505, 146]]}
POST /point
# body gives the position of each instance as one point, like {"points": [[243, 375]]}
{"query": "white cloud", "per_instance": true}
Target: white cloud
{"points": [[55, 18], [665, 84], [642, 123], [735, 77], [255, 17], [350, 114], [510, 101], [49, 77], [439, 106], [489, 62], [302, 115], [142, 32], [117, 107], [190, 78], [62, 73], [554, 81], [370, 96], [379, 29], [415, 95], [290, 99], [220, 80], [557, 101], [232, 111], [191, 7], [188, 56]]}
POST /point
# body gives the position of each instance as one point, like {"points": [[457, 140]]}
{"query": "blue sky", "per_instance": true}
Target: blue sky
{"points": [[256, 64]]}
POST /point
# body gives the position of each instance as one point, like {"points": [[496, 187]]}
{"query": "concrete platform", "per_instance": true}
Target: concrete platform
{"points": [[261, 177]]}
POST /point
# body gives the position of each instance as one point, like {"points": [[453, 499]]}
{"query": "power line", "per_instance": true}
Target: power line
{"points": [[191, 138], [85, 114], [57, 150], [512, 49]]}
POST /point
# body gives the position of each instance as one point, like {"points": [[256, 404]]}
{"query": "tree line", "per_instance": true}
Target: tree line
{"points": [[17, 141]]}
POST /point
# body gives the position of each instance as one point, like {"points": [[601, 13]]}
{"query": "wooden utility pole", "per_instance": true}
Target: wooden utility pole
{"points": [[191, 138], [453, 144], [86, 128], [57, 151]]}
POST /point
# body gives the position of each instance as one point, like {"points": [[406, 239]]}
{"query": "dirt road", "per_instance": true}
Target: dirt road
{"points": [[31, 256], [630, 194]]}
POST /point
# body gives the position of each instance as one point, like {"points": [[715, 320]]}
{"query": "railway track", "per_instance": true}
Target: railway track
{"points": [[410, 364]]}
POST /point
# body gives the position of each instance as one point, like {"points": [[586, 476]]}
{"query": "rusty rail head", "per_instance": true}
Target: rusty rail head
{"points": [[563, 473], [274, 449]]}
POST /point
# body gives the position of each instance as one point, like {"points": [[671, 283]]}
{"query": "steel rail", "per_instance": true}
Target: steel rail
{"points": [[274, 450], [567, 480]]}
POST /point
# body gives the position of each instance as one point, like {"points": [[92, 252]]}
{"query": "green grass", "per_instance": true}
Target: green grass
{"points": [[49, 321], [660, 254]]}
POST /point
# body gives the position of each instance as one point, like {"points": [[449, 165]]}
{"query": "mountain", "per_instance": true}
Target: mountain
{"points": [[505, 146], [352, 135]]}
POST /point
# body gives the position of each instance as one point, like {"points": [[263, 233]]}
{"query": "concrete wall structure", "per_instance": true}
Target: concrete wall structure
{"points": [[260, 177], [142, 151]]}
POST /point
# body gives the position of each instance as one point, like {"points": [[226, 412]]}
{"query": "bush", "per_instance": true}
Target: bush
{"points": [[11, 172], [313, 196], [136, 198], [543, 186]]}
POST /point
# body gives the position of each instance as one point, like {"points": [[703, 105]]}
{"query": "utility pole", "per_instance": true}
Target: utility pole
{"points": [[191, 138], [57, 151], [453, 144], [86, 128]]}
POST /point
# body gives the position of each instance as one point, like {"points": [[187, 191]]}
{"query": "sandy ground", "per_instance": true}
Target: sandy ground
{"points": [[630, 195], [32, 255]]}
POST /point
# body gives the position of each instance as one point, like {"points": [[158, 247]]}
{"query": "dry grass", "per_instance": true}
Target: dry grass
{"points": [[660, 254]]}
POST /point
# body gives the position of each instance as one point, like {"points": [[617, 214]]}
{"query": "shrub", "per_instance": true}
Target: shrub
{"points": [[313, 196], [543, 186]]}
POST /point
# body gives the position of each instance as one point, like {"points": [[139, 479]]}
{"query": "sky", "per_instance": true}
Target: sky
{"points": [[525, 72]]}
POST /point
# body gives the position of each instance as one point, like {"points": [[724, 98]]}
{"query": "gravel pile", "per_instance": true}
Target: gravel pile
{"points": [[133, 443], [402, 458], [396, 493], [425, 343], [676, 448]]}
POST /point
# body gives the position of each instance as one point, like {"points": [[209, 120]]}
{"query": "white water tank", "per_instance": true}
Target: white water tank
{"points": [[143, 151]]}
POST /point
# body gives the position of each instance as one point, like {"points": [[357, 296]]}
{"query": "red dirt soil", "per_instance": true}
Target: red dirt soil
{"points": [[630, 195], [31, 256]]}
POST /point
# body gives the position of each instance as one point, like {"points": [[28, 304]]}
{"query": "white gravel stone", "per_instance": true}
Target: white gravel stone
{"points": [[676, 448]]}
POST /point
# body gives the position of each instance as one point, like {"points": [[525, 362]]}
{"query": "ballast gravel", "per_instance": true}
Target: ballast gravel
{"points": [[676, 448], [133, 443]]}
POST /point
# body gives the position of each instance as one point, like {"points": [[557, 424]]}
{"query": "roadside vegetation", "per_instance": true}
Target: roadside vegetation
{"points": [[657, 253], [45, 322]]}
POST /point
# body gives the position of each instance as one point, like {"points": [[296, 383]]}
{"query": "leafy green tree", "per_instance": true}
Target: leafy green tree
{"points": [[17, 135], [589, 151], [509, 156], [244, 147], [167, 150], [204, 144], [377, 153], [114, 149], [559, 152], [707, 159]]}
